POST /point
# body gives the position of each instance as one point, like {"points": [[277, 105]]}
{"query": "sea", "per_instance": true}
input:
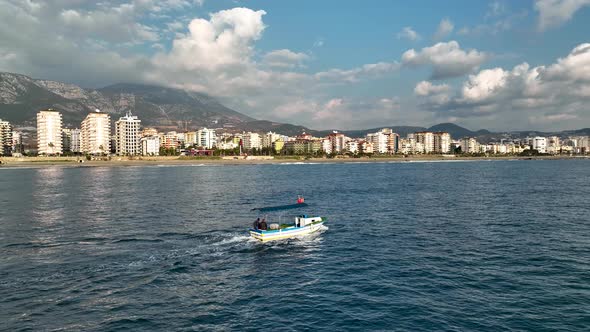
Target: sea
{"points": [[408, 246]]}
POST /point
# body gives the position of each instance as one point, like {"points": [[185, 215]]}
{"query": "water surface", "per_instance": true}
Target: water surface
{"points": [[456, 246]]}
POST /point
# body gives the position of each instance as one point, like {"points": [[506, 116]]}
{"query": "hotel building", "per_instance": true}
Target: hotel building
{"points": [[5, 138], [49, 140], [442, 142], [95, 133], [128, 136], [426, 139], [206, 138]]}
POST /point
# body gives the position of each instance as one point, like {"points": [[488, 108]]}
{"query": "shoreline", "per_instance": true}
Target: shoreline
{"points": [[39, 162]]}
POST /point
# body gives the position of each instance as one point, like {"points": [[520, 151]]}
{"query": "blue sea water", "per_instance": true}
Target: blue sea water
{"points": [[433, 246]]}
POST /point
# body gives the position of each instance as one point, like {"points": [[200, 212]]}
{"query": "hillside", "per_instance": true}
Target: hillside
{"points": [[21, 97]]}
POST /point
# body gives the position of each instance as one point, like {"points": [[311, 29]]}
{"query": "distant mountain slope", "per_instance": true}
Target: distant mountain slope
{"points": [[402, 130], [453, 129], [21, 97]]}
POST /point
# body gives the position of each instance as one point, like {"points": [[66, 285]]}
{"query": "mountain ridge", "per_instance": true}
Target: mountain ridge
{"points": [[21, 97]]}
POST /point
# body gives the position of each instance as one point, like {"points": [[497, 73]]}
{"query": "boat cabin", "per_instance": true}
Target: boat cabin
{"points": [[304, 220]]}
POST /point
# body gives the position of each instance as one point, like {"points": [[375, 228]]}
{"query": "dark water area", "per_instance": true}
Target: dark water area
{"points": [[432, 246]]}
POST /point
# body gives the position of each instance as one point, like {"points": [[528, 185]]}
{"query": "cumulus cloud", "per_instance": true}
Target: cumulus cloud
{"points": [[445, 28], [426, 88], [433, 94], [224, 40], [409, 34], [535, 94], [446, 59], [553, 13]]}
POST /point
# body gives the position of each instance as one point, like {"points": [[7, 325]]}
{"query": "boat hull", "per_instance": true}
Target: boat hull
{"points": [[286, 233]]}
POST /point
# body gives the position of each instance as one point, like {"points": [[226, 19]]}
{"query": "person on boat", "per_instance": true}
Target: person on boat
{"points": [[257, 223], [262, 224], [300, 200]]}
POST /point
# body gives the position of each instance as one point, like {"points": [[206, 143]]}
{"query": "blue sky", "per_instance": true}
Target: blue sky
{"points": [[499, 65]]}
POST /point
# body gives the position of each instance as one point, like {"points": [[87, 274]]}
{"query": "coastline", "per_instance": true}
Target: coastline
{"points": [[39, 162]]}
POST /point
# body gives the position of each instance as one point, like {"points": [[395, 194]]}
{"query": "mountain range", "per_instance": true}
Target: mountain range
{"points": [[21, 97]]}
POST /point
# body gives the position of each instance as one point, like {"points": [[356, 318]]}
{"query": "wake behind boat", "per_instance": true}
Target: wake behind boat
{"points": [[303, 224]]}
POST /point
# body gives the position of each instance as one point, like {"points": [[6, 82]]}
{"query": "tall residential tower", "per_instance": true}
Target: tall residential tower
{"points": [[49, 140], [95, 134], [128, 136]]}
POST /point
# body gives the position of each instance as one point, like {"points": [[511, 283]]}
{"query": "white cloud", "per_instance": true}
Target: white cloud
{"points": [[445, 28], [409, 34], [357, 74], [559, 91], [285, 58], [447, 59], [553, 13], [433, 94], [225, 40], [426, 88]]}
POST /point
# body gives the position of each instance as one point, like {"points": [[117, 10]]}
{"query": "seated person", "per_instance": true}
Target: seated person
{"points": [[262, 225]]}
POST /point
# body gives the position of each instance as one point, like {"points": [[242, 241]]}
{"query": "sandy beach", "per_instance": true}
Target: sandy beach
{"points": [[155, 161]]}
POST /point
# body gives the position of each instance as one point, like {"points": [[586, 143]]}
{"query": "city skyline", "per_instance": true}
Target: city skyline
{"points": [[497, 65], [95, 138]]}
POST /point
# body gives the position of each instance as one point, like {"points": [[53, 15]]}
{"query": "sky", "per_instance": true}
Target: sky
{"points": [[497, 65]]}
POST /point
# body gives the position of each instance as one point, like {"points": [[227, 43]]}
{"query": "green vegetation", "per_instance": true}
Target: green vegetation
{"points": [[169, 152]]}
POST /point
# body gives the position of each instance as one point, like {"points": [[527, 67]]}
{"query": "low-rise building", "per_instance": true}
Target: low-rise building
{"points": [[150, 146], [352, 146]]}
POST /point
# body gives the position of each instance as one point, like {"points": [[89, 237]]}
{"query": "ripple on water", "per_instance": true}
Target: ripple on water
{"points": [[459, 246]]}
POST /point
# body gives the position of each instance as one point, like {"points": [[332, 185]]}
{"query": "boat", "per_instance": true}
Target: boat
{"points": [[303, 225]]}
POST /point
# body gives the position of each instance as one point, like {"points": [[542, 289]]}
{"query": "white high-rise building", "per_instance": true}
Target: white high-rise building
{"points": [[206, 138], [128, 136], [442, 142], [5, 138], [426, 139], [338, 141], [540, 144], [380, 141], [95, 134], [49, 133], [252, 141], [469, 145]]}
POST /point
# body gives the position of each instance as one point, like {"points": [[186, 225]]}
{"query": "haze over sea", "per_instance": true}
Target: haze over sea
{"points": [[432, 246]]}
